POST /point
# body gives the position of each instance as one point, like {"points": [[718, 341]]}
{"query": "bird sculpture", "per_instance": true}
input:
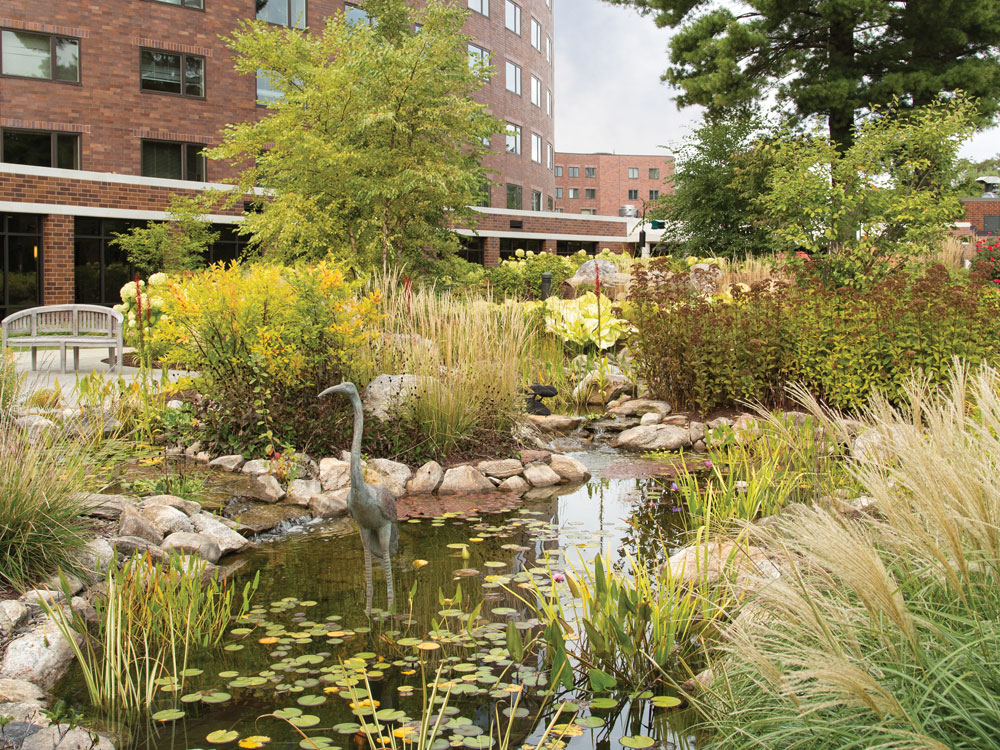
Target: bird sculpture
{"points": [[373, 507]]}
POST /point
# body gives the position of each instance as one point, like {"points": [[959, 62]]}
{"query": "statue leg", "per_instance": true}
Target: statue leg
{"points": [[368, 581], [385, 537]]}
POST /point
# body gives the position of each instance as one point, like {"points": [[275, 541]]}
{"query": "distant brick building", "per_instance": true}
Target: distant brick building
{"points": [[982, 215], [105, 108], [603, 184]]}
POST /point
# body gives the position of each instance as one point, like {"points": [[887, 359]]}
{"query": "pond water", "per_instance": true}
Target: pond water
{"points": [[309, 613]]}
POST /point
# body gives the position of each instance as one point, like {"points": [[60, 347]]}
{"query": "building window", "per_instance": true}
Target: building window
{"points": [[633, 195], [510, 245], [513, 139], [633, 173], [991, 224], [40, 148], [472, 249], [283, 12], [536, 35], [654, 195], [199, 4], [574, 171], [559, 172], [559, 192], [590, 172], [173, 161], [162, 72], [572, 247], [514, 197], [266, 90], [536, 92], [20, 258], [654, 173], [536, 200], [589, 211], [513, 78], [479, 60], [548, 102], [353, 14], [30, 55], [574, 193], [536, 148], [548, 49], [512, 19], [590, 193], [101, 268], [548, 156], [480, 6]]}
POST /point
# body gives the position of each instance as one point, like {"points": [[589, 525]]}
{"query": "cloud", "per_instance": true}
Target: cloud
{"points": [[609, 96]]}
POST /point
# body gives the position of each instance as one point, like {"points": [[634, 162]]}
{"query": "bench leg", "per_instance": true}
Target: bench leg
{"points": [[114, 360], [62, 357], [34, 358], [76, 359]]}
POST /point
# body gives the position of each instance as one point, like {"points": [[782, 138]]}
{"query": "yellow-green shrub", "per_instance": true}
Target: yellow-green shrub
{"points": [[266, 339]]}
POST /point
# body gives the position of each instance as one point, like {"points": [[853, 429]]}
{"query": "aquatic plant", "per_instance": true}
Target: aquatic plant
{"points": [[882, 630], [147, 623]]}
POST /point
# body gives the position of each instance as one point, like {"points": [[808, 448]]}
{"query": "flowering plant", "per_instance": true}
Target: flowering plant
{"points": [[580, 321], [142, 306], [987, 260]]}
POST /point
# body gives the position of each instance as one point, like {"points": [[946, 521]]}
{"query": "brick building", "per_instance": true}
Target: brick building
{"points": [[603, 184], [982, 215], [105, 108]]}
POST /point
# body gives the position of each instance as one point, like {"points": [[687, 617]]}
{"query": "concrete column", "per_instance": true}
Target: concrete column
{"points": [[57, 260]]}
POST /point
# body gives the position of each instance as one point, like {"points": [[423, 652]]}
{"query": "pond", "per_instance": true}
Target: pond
{"points": [[303, 646]]}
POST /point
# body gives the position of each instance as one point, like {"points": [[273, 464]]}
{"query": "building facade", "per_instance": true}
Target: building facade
{"points": [[604, 184], [106, 107]]}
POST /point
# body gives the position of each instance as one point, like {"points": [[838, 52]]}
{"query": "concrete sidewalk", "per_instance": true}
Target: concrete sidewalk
{"points": [[48, 373]]}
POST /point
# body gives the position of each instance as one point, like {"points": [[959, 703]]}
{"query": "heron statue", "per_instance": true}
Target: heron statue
{"points": [[373, 507]]}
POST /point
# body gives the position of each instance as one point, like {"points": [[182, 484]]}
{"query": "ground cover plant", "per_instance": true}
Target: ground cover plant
{"points": [[882, 630]]}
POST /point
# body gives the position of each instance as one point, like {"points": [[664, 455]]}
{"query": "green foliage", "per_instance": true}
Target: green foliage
{"points": [[831, 59], [179, 244], [266, 340], [986, 263], [142, 306], [372, 148], [880, 203], [43, 523], [841, 344], [718, 177], [881, 631], [967, 172], [520, 277], [148, 620], [587, 322]]}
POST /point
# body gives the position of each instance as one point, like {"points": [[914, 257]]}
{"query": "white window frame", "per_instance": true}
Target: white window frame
{"points": [[512, 17], [536, 148], [514, 134], [536, 34], [536, 91], [482, 7], [515, 79]]}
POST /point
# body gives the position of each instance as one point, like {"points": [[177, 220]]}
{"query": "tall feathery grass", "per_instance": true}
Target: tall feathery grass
{"points": [[43, 525], [468, 354], [883, 631], [10, 383]]}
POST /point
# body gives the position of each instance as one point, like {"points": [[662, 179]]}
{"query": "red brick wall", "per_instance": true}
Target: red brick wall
{"points": [[976, 209], [612, 182], [552, 225], [57, 260]]}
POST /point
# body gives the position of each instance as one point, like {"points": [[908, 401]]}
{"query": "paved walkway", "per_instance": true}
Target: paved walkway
{"points": [[48, 373]]}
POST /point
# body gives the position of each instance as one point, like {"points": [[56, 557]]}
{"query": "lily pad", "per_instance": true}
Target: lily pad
{"points": [[222, 736], [169, 714], [637, 742]]}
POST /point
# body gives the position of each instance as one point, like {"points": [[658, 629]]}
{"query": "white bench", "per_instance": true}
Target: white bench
{"points": [[78, 326]]}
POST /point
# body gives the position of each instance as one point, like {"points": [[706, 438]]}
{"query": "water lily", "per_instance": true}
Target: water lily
{"points": [[254, 741]]}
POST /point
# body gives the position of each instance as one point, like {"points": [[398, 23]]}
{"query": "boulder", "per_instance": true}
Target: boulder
{"points": [[587, 272], [599, 387], [329, 504], [334, 474], [514, 485], [502, 469], [557, 424], [194, 544], [465, 480], [569, 469], [697, 430], [106, 507], [40, 656], [390, 474], [300, 491], [132, 524], [745, 426], [272, 489], [638, 406], [256, 467], [876, 445], [35, 599], [203, 458], [706, 278], [193, 449], [96, 557], [85, 610], [541, 475], [132, 545], [658, 437], [12, 614], [166, 519], [706, 563], [20, 691], [228, 540], [715, 424], [651, 418], [228, 463], [427, 479], [387, 395], [35, 425], [187, 507], [62, 737], [699, 683], [534, 457]]}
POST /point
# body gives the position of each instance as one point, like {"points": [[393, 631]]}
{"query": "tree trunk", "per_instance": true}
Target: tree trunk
{"points": [[842, 66]]}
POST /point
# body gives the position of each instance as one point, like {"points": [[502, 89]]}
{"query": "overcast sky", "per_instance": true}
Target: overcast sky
{"points": [[608, 92]]}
